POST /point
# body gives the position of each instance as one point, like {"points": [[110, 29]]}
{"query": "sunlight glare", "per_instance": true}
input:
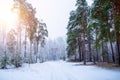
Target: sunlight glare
{"points": [[7, 17]]}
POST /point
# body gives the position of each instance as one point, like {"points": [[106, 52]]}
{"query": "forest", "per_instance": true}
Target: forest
{"points": [[93, 35], [93, 32], [34, 45]]}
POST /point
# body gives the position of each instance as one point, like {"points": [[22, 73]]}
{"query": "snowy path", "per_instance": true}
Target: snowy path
{"points": [[58, 70]]}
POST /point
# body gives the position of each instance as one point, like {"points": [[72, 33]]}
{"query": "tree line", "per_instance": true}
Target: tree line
{"points": [[93, 32], [21, 43]]}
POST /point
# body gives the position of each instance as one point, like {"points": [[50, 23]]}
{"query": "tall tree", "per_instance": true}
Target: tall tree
{"points": [[26, 17], [77, 28], [82, 14], [116, 16]]}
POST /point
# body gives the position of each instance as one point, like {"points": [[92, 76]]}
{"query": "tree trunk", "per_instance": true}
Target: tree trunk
{"points": [[25, 44], [89, 45], [107, 54], [83, 35], [118, 45], [31, 52], [17, 53], [20, 42], [83, 41], [37, 50], [113, 57], [79, 49], [4, 45], [97, 58], [37, 46], [94, 60], [102, 52]]}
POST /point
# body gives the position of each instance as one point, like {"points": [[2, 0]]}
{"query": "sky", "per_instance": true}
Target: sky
{"points": [[55, 13]]}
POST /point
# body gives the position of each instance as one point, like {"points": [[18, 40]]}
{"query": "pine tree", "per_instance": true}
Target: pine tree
{"points": [[77, 29], [116, 16]]}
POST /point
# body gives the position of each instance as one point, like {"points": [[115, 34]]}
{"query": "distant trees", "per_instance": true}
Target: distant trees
{"points": [[55, 49], [94, 31]]}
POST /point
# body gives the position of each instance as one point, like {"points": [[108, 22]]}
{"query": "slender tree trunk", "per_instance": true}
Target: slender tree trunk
{"points": [[97, 58], [4, 44], [37, 45], [102, 51], [113, 57], [83, 44], [83, 41], [89, 45], [31, 52], [79, 49], [118, 49], [118, 45], [37, 49], [75, 57], [94, 60], [80, 54], [90, 52], [25, 44], [107, 54], [83, 36], [17, 53], [20, 42]]}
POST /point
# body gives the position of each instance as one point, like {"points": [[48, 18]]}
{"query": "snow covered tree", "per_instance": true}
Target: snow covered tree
{"points": [[39, 37], [93, 31], [77, 28], [28, 25], [11, 45], [116, 18]]}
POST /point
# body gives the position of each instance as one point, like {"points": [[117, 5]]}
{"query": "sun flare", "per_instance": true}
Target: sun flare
{"points": [[8, 18]]}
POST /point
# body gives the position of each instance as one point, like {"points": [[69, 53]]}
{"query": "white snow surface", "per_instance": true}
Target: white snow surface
{"points": [[59, 70]]}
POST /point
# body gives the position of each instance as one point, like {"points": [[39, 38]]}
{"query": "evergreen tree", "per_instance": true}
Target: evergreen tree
{"points": [[116, 18], [77, 27]]}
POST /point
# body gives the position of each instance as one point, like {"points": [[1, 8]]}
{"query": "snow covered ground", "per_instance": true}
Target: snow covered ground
{"points": [[58, 70]]}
